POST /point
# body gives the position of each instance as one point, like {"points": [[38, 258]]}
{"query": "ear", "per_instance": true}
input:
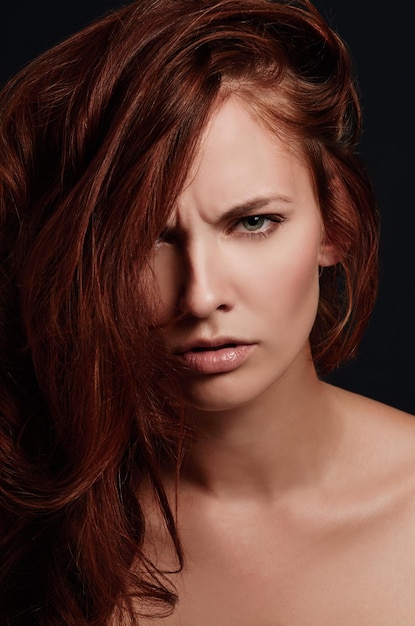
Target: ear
{"points": [[328, 254]]}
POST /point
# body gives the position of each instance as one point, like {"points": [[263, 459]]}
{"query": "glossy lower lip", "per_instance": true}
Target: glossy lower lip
{"points": [[218, 360]]}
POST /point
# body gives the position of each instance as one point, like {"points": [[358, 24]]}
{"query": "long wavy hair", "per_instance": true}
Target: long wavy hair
{"points": [[96, 138]]}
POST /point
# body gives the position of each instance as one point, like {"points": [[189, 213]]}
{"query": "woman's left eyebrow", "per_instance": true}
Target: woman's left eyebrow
{"points": [[255, 204]]}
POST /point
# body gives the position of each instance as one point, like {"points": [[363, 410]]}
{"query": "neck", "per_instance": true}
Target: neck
{"points": [[284, 440]]}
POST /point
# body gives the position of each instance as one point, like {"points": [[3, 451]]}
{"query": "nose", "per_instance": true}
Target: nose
{"points": [[206, 283]]}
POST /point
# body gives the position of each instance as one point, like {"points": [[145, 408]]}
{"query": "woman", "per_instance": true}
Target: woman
{"points": [[189, 241]]}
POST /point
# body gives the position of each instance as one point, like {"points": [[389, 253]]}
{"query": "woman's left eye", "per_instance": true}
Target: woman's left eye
{"points": [[253, 225], [254, 222]]}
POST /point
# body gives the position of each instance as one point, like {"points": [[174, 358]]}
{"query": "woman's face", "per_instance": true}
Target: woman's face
{"points": [[237, 265]]}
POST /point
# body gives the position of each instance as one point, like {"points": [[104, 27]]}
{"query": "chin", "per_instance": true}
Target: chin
{"points": [[225, 395]]}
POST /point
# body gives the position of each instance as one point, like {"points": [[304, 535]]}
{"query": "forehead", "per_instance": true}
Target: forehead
{"points": [[239, 159]]}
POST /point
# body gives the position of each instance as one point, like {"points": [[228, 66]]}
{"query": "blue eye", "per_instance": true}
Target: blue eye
{"points": [[257, 226], [253, 222]]}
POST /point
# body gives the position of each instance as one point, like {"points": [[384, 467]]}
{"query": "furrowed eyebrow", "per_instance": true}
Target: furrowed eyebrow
{"points": [[241, 210], [246, 208]]}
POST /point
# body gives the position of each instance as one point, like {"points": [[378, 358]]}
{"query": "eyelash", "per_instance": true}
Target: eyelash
{"points": [[274, 222]]}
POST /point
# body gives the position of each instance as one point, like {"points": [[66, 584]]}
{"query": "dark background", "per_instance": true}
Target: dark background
{"points": [[381, 41]]}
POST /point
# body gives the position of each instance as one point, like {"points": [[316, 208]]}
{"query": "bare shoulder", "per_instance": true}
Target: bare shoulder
{"points": [[380, 446], [379, 420]]}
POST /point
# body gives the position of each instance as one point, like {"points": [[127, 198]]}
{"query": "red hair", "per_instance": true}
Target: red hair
{"points": [[96, 138]]}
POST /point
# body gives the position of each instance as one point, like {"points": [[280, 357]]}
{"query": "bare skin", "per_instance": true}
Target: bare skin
{"points": [[296, 505], [334, 545]]}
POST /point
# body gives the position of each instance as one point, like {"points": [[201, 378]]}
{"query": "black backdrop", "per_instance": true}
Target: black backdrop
{"points": [[381, 42]]}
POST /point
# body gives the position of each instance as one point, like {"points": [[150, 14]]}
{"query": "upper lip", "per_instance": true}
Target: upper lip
{"points": [[209, 344]]}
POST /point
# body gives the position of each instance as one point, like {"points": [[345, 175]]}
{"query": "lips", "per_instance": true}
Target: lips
{"points": [[214, 357]]}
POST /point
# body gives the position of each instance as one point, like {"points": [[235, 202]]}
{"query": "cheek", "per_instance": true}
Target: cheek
{"points": [[302, 306], [293, 284], [305, 290], [166, 277]]}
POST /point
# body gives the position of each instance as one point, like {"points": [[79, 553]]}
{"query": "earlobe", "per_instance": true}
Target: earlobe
{"points": [[328, 255]]}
